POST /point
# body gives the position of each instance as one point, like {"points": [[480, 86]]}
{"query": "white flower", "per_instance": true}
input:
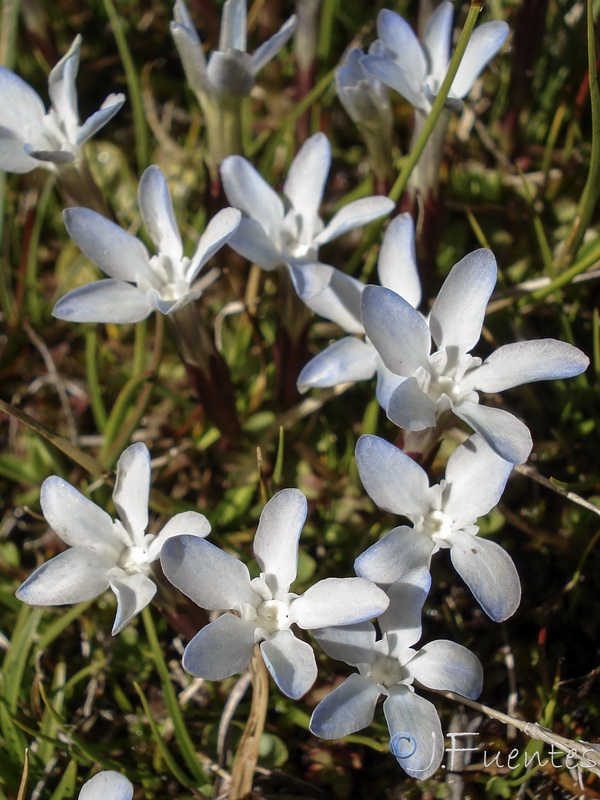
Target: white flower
{"points": [[389, 666], [449, 378], [263, 608], [352, 359], [230, 70], [140, 284], [104, 552], [30, 137], [107, 785], [443, 517], [364, 97], [417, 71], [273, 233]]}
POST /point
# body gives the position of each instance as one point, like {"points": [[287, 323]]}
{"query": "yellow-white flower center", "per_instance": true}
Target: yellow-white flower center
{"points": [[134, 559], [437, 525], [386, 671], [273, 616]]}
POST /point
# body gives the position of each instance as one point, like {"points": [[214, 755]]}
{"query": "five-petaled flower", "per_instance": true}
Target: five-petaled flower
{"points": [[273, 232], [449, 378], [104, 552], [230, 70], [263, 609], [139, 283], [443, 516], [30, 137], [389, 666], [417, 71]]}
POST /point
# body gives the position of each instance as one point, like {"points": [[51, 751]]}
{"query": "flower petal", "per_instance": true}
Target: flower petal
{"points": [[118, 254], [218, 231], [156, 208], [62, 91], [220, 649], [132, 490], [393, 480], [398, 332], [345, 361], [401, 549], [475, 479], [507, 435], [483, 45], [233, 26], [355, 215], [404, 81], [339, 302], [291, 662], [402, 619], [77, 575], [448, 667], [188, 522], [410, 408], [21, 109], [247, 190], [310, 279], [489, 572], [338, 601], [276, 539], [457, 314], [436, 41], [386, 384], [211, 578], [189, 47], [252, 242], [397, 265], [13, 157], [104, 301], [354, 644], [99, 118], [349, 708], [525, 362], [412, 719], [105, 785], [306, 177], [77, 520], [134, 592], [269, 49]]}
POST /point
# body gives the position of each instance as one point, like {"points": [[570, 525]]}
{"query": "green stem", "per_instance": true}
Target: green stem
{"points": [[133, 85], [184, 740], [592, 185], [93, 382]]}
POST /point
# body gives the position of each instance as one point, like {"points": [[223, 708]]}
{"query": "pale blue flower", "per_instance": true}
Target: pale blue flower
{"points": [[30, 137], [443, 516], [230, 70], [449, 378], [290, 231], [263, 609], [389, 666], [139, 283], [416, 71], [103, 552]]}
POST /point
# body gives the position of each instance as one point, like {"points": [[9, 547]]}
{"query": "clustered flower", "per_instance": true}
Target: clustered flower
{"points": [[427, 377]]}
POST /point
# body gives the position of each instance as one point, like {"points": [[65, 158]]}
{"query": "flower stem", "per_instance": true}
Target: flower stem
{"points": [[242, 774], [206, 368], [184, 740], [291, 342]]}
